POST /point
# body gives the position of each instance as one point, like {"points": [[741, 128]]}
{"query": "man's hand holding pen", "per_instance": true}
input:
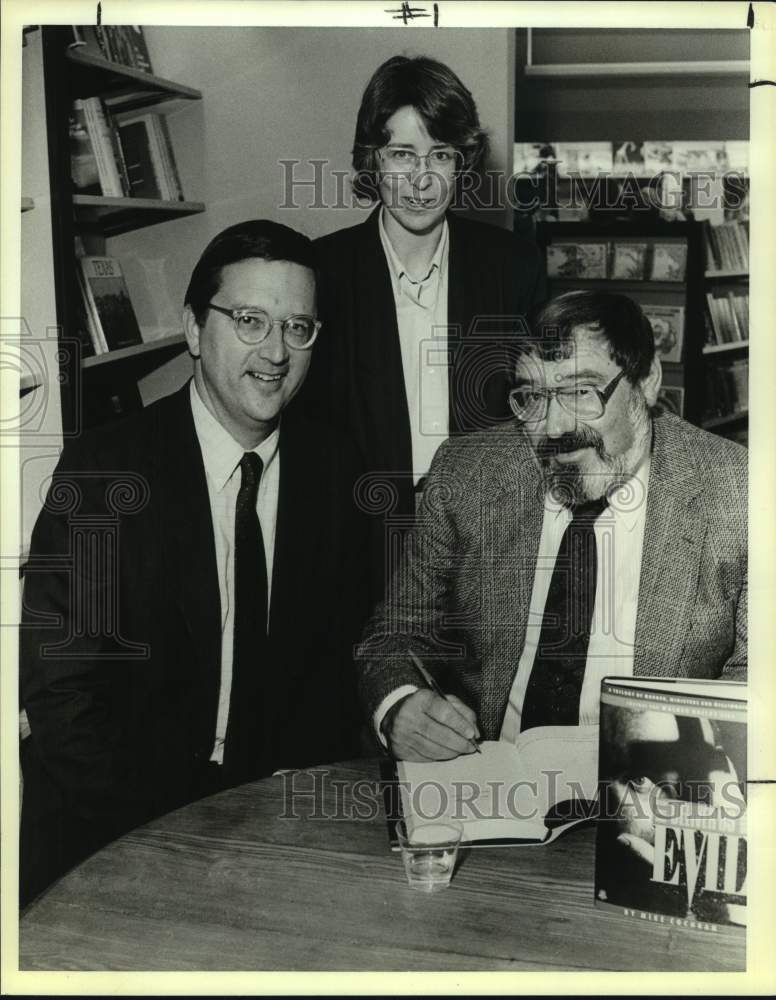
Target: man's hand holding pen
{"points": [[430, 725]]}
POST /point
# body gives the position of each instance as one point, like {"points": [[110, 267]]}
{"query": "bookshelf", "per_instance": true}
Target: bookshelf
{"points": [[726, 351], [97, 388], [675, 307]]}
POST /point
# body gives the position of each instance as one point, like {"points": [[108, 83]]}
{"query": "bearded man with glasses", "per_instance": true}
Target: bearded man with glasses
{"points": [[213, 644], [594, 536], [418, 301]]}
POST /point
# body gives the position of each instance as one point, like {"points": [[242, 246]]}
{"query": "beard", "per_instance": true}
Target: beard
{"points": [[573, 483]]}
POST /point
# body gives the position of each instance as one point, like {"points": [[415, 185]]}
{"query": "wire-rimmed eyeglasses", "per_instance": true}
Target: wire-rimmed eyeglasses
{"points": [[585, 402], [252, 326], [400, 160]]}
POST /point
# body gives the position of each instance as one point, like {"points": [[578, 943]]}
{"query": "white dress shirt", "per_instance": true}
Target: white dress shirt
{"points": [[221, 455], [619, 535], [421, 316]]}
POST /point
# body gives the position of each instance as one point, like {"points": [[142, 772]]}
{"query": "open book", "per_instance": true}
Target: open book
{"points": [[523, 793]]}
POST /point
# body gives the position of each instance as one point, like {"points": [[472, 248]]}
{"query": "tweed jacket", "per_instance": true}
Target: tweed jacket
{"points": [[461, 598]]}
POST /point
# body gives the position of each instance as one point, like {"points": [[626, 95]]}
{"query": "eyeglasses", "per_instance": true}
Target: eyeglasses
{"points": [[398, 160], [585, 402], [252, 326]]}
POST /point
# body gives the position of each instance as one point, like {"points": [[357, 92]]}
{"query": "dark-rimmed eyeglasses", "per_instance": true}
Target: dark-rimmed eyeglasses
{"points": [[252, 326], [585, 402]]}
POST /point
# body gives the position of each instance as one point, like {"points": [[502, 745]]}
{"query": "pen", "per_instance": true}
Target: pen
{"points": [[434, 687]]}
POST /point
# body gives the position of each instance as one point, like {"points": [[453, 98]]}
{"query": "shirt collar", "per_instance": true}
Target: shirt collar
{"points": [[220, 452], [397, 268], [627, 502]]}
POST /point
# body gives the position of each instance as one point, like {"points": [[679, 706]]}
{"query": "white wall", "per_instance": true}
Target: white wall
{"points": [[281, 93], [41, 419]]}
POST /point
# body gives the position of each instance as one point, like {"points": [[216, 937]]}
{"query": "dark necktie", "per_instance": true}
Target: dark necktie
{"points": [[552, 694], [245, 729]]}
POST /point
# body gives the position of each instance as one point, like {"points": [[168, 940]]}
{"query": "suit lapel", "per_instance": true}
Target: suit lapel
{"points": [[297, 540], [511, 530], [674, 533], [378, 352], [187, 533]]}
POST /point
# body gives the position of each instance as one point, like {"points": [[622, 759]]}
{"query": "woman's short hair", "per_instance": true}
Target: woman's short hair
{"points": [[440, 99], [258, 238]]}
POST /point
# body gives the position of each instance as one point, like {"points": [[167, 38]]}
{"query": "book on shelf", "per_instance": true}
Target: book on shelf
{"points": [[669, 262], [584, 159], [628, 158], [528, 792], [149, 157], [667, 324], [123, 44], [108, 303], [671, 838], [726, 389], [87, 332], [576, 260], [670, 399], [89, 115], [628, 261], [727, 247], [728, 310]]}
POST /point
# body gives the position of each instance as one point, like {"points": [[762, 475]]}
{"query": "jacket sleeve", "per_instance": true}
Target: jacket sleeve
{"points": [[70, 666]]}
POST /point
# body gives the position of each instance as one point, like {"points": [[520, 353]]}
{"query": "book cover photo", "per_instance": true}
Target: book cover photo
{"points": [[669, 261], [576, 260], [628, 260], [671, 844], [667, 324], [109, 302]]}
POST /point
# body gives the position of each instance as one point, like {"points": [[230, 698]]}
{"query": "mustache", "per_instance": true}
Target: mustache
{"points": [[585, 437]]}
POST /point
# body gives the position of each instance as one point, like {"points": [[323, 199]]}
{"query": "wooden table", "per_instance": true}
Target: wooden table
{"points": [[230, 883]]}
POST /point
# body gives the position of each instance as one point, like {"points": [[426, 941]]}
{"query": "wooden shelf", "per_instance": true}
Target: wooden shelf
{"points": [[722, 67], [722, 275], [27, 204], [123, 86], [736, 345], [729, 418], [138, 357], [122, 215], [615, 284]]}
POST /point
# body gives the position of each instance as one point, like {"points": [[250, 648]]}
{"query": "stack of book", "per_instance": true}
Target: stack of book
{"points": [[126, 155], [727, 247], [729, 315], [118, 43]]}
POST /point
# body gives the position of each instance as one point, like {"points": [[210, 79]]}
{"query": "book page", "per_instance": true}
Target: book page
{"points": [[506, 790]]}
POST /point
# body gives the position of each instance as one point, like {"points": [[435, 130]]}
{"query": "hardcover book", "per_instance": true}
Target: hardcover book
{"points": [[628, 261], [144, 182], [669, 261], [528, 792], [667, 324], [110, 306], [671, 843], [576, 260]]}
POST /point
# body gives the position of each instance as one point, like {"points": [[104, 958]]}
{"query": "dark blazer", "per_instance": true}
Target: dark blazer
{"points": [[462, 601], [120, 662], [356, 372]]}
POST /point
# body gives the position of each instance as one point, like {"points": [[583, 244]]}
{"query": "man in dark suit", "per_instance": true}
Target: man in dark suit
{"points": [[594, 536], [194, 580], [420, 304]]}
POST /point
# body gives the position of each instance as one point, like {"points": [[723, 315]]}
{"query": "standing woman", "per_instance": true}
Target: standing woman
{"points": [[418, 304]]}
